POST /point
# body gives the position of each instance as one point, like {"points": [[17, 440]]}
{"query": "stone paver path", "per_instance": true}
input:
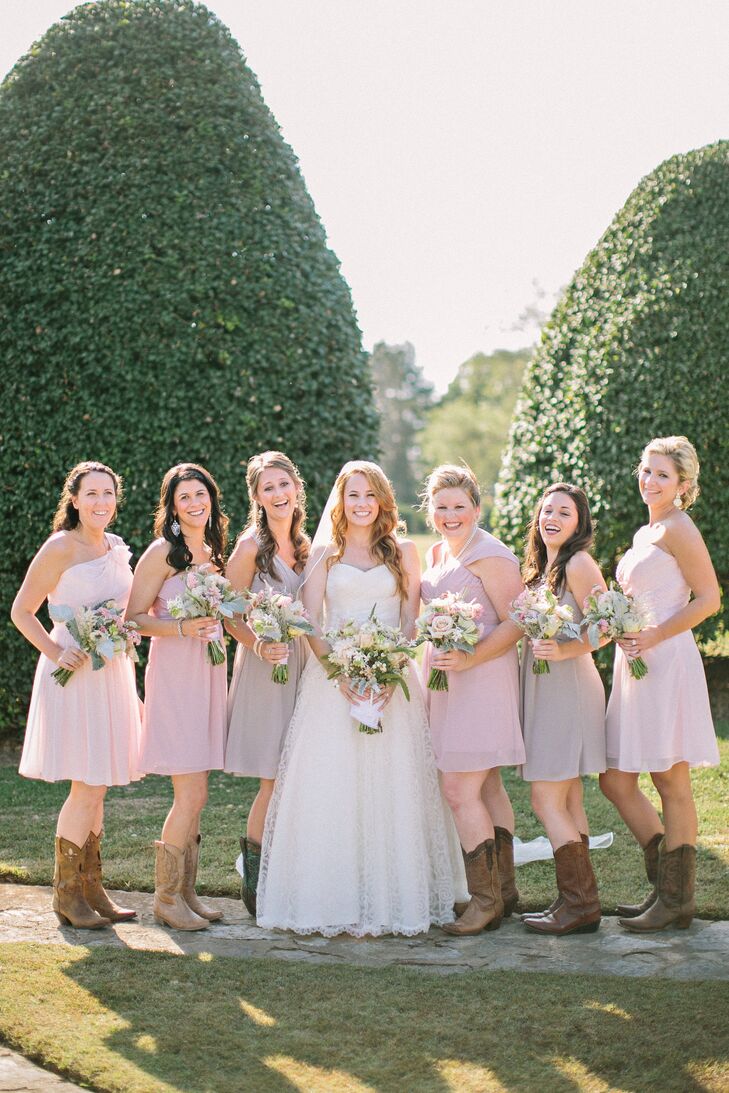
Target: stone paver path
{"points": [[19, 1075], [701, 952]]}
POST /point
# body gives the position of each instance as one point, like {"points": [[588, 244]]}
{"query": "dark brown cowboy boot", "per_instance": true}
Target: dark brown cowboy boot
{"points": [[96, 896], [504, 840], [558, 898], [650, 857], [485, 909], [579, 911], [674, 905], [251, 865], [69, 901], [190, 896]]}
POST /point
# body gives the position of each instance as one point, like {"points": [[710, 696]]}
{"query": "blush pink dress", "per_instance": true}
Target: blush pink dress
{"points": [[184, 723], [88, 730], [475, 723], [664, 718]]}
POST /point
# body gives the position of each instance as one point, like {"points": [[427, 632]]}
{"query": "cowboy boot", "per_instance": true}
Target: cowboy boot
{"points": [[485, 909], [674, 905], [93, 889], [69, 901], [650, 857], [190, 896], [505, 857], [585, 839], [579, 911], [169, 907], [251, 865]]}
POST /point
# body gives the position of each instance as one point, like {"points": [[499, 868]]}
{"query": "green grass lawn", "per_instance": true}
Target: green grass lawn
{"points": [[135, 814], [147, 1022]]}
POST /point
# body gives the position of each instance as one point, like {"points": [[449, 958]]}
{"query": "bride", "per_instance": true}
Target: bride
{"points": [[357, 839]]}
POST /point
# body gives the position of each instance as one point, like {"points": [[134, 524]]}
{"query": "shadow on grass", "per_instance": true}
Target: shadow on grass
{"points": [[225, 1024]]}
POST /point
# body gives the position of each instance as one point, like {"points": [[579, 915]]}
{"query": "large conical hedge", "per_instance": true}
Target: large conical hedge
{"points": [[638, 347], [166, 291]]}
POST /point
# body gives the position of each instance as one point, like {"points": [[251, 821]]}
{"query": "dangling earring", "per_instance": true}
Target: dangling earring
{"points": [[175, 527], [678, 500], [210, 520]]}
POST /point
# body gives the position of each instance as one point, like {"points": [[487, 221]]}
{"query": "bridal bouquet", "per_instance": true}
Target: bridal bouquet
{"points": [[612, 614], [273, 616], [538, 612], [207, 595], [100, 631], [448, 623], [370, 656]]}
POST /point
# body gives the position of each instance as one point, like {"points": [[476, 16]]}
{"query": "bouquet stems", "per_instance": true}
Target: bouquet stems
{"points": [[216, 652], [62, 675], [438, 680], [280, 673], [540, 667], [368, 729], [638, 667]]}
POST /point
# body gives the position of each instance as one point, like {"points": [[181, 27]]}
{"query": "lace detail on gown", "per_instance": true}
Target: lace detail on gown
{"points": [[358, 839]]}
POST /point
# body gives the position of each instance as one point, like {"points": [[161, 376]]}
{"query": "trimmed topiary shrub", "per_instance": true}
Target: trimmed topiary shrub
{"points": [[166, 291], [638, 347]]}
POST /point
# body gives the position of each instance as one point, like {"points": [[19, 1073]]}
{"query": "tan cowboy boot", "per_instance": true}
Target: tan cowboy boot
{"points": [[69, 901], [650, 858], [579, 911], [558, 898], [251, 865], [190, 896], [93, 889], [169, 906], [485, 909], [507, 875], [674, 905]]}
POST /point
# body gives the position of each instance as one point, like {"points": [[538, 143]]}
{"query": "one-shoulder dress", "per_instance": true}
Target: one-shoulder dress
{"points": [[89, 730], [259, 710], [563, 715], [665, 717], [475, 723], [184, 723]]}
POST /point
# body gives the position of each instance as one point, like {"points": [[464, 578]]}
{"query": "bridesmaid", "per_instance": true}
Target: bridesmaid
{"points": [[662, 723], [183, 729], [87, 731], [475, 723], [563, 712], [272, 550]]}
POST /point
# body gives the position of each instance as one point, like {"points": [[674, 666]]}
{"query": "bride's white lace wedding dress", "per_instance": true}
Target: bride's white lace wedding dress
{"points": [[358, 839]]}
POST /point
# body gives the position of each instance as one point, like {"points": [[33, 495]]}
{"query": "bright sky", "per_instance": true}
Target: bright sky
{"points": [[458, 151]]}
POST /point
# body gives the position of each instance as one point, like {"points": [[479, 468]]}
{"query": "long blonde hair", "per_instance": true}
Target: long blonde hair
{"points": [[383, 533], [257, 518]]}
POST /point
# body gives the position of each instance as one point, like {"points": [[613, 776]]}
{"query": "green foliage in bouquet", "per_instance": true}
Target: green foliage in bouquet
{"points": [[638, 347], [166, 290]]}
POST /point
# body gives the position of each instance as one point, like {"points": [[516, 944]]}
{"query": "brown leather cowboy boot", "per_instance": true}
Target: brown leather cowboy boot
{"points": [[251, 865], [169, 907], [579, 911], [558, 898], [190, 896], [69, 901], [93, 889], [674, 905], [650, 857], [504, 840], [485, 909]]}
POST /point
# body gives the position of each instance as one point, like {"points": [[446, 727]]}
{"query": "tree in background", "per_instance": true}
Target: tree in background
{"points": [[166, 291], [403, 398], [471, 421], [638, 347]]}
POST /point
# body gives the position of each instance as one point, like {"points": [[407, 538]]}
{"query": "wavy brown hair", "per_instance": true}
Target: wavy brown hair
{"points": [[383, 537], [216, 533], [535, 569], [66, 517], [257, 519]]}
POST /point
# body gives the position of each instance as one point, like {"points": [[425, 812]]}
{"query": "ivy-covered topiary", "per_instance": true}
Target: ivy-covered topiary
{"points": [[166, 291], [638, 347]]}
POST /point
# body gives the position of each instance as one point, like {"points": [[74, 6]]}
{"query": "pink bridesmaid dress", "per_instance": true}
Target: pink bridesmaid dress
{"points": [[664, 718], [89, 730], [184, 723], [475, 723]]}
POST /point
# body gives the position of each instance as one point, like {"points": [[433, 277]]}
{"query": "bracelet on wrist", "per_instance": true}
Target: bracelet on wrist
{"points": [[180, 631], [257, 648]]}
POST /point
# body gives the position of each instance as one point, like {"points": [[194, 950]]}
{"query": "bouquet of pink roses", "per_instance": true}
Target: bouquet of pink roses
{"points": [[100, 631], [538, 612], [612, 613], [371, 656], [448, 623], [207, 595], [274, 616]]}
